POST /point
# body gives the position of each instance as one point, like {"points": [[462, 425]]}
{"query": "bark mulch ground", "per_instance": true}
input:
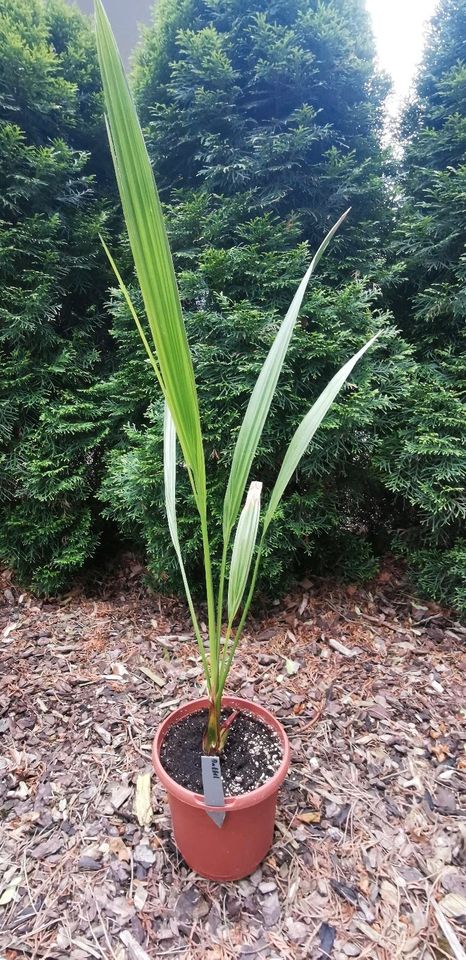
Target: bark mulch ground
{"points": [[369, 854]]}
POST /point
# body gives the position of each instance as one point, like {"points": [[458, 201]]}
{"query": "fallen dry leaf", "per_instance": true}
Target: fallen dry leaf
{"points": [[134, 949], [292, 667], [142, 800], [159, 681], [10, 891], [389, 893], [450, 934], [454, 905], [309, 816], [140, 896]]}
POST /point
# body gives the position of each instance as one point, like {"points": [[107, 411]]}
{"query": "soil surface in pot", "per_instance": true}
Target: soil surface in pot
{"points": [[252, 753]]}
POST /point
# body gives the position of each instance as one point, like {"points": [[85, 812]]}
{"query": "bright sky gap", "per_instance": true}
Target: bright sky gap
{"points": [[399, 28]]}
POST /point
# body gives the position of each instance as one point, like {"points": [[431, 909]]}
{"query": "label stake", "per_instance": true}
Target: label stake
{"points": [[213, 788]]}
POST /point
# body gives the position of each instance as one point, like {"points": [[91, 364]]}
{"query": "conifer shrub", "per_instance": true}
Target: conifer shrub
{"points": [[427, 454], [53, 279]]}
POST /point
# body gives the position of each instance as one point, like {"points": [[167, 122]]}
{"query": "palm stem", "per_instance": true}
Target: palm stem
{"points": [[221, 587], [213, 644]]}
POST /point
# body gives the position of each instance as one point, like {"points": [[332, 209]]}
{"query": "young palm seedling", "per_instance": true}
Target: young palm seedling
{"points": [[163, 335]]}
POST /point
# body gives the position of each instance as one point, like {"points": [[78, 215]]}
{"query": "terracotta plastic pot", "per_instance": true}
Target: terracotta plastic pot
{"points": [[235, 849]]}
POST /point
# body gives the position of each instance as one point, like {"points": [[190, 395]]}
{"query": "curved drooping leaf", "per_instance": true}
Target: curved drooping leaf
{"points": [[307, 428]]}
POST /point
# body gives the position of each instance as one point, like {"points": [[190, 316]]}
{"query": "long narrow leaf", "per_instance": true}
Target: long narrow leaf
{"points": [[151, 251], [262, 396], [307, 428], [133, 313], [243, 548], [169, 470]]}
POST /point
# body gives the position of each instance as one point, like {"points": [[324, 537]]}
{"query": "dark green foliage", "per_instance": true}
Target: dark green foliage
{"points": [[263, 122], [431, 229], [49, 77], [440, 573], [277, 101], [430, 304], [53, 278], [326, 509]]}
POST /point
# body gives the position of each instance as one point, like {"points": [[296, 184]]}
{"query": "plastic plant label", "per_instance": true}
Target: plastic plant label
{"points": [[213, 788]]}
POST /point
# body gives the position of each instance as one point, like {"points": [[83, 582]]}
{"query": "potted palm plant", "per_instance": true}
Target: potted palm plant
{"points": [[220, 758]]}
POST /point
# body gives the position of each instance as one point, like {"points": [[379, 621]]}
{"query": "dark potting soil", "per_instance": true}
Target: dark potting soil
{"points": [[251, 755]]}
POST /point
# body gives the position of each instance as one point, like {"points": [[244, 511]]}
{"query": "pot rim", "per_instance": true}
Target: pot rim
{"points": [[231, 803]]}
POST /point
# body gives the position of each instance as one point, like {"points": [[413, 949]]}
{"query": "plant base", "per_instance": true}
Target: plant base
{"points": [[234, 850]]}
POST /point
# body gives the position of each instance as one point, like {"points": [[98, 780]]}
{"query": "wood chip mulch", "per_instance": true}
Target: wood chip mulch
{"points": [[370, 847]]}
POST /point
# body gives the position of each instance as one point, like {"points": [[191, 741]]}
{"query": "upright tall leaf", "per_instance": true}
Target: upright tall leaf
{"points": [[262, 396], [307, 428], [132, 310], [243, 548], [151, 251]]}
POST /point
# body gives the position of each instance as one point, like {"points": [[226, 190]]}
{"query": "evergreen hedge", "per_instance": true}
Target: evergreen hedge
{"points": [[53, 280], [264, 124], [430, 306], [264, 121]]}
